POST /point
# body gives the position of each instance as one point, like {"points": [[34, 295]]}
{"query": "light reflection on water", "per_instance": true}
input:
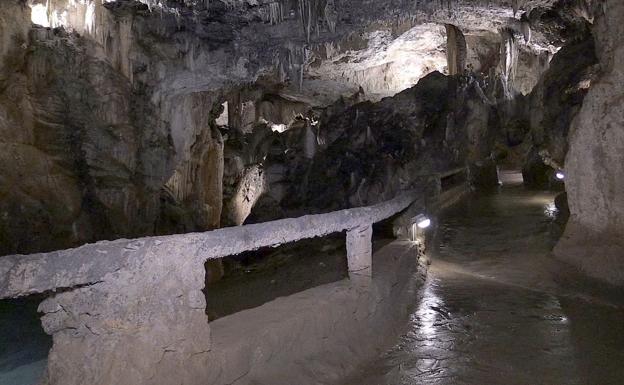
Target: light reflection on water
{"points": [[426, 317], [509, 328], [550, 210]]}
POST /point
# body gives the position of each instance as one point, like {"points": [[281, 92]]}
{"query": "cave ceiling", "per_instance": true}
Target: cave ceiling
{"points": [[319, 50]]}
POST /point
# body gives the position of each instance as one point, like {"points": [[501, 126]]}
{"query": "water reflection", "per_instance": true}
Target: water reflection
{"points": [[550, 210], [490, 312], [426, 318]]}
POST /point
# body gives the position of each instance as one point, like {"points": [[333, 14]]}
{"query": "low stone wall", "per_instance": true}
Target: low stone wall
{"points": [[147, 329], [133, 311], [320, 335]]}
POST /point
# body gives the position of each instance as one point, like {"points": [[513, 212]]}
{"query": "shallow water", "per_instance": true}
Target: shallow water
{"points": [[23, 344], [492, 311]]}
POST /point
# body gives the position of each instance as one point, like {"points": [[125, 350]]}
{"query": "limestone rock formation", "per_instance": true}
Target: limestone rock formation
{"points": [[111, 110], [553, 105], [595, 161], [372, 151], [83, 154], [455, 50]]}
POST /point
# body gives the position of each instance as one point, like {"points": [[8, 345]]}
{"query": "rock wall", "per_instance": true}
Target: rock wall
{"points": [[595, 161], [553, 105], [107, 121], [109, 113], [83, 156], [371, 151]]}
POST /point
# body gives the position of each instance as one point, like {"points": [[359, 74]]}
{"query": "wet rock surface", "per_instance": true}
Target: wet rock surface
{"points": [[495, 309], [552, 105], [595, 162]]}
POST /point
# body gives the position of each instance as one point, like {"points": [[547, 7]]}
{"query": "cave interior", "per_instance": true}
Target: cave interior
{"points": [[273, 192]]}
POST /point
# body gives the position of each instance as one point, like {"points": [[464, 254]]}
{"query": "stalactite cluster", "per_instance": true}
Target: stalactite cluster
{"points": [[331, 15], [276, 13], [314, 13]]}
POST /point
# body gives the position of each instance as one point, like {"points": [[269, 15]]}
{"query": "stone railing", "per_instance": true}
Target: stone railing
{"points": [[450, 193], [89, 264], [136, 307]]}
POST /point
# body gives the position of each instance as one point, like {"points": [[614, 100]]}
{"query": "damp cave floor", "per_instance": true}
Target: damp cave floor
{"points": [[498, 309]]}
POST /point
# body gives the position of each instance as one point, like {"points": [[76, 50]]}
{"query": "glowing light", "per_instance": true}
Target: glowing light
{"points": [[279, 128], [424, 223], [223, 119], [550, 210], [416, 231], [39, 15], [90, 18], [560, 175]]}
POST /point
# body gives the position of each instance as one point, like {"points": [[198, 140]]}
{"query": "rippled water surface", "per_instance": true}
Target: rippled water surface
{"points": [[492, 313]]}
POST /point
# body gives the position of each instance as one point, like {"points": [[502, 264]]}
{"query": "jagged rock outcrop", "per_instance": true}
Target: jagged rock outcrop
{"points": [[371, 151], [83, 153], [109, 112], [595, 161], [552, 106]]}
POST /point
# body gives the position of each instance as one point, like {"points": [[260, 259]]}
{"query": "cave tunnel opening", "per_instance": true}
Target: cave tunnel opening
{"points": [[24, 346]]}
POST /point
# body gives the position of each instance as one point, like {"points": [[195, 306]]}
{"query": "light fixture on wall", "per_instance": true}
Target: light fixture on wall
{"points": [[417, 229], [423, 222], [560, 175]]}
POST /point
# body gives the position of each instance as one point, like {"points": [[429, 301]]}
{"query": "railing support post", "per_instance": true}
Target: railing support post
{"points": [[360, 251], [145, 324]]}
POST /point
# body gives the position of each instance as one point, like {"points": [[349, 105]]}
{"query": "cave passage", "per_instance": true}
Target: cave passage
{"points": [[494, 308], [310, 192]]}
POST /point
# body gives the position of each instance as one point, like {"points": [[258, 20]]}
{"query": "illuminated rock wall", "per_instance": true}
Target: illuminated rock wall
{"points": [[109, 115], [595, 161]]}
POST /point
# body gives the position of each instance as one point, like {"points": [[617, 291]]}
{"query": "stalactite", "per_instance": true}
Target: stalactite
{"points": [[305, 13], [331, 15], [525, 27], [456, 51], [307, 54], [312, 12], [516, 4], [509, 60], [276, 13]]}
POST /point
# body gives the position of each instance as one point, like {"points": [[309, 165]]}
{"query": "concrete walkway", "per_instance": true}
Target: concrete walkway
{"points": [[494, 312]]}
